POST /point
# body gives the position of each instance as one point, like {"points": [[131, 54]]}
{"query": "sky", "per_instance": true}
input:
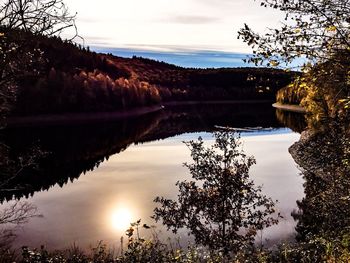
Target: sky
{"points": [[170, 25]]}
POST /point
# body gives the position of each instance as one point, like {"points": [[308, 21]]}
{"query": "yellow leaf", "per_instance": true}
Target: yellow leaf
{"points": [[274, 63], [331, 28]]}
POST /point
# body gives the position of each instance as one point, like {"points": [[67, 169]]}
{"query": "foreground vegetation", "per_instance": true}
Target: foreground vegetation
{"points": [[144, 250]]}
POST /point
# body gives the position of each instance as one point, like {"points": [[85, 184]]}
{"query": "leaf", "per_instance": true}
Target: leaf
{"points": [[146, 226], [331, 28], [274, 63]]}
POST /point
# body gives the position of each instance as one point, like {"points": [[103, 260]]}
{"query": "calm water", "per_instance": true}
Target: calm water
{"points": [[84, 197]]}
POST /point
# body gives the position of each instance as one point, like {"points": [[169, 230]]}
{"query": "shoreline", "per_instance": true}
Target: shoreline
{"points": [[78, 118], [198, 102], [94, 117], [289, 107]]}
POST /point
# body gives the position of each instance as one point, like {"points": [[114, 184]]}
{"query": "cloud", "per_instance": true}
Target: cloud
{"points": [[223, 3], [169, 25], [95, 41], [88, 19], [190, 19], [183, 49]]}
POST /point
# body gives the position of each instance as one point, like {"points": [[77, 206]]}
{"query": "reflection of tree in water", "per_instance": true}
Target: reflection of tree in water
{"points": [[69, 152], [221, 208], [12, 216], [72, 150], [295, 121], [204, 116], [324, 160]]}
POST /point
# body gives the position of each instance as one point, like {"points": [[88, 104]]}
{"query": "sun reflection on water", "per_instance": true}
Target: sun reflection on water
{"points": [[121, 217]]}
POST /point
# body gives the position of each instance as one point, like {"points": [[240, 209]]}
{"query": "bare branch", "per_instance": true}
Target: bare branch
{"points": [[47, 17]]}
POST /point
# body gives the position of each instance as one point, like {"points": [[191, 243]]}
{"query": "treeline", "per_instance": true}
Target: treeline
{"points": [[238, 83], [176, 83], [60, 92], [292, 94], [65, 77]]}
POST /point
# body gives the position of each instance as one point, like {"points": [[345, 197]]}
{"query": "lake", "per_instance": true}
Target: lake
{"points": [[94, 179]]}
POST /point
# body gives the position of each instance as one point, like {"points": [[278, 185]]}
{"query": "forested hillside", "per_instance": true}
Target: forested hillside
{"points": [[176, 83], [64, 77]]}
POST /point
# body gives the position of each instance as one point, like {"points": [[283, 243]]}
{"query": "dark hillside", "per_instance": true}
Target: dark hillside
{"points": [[64, 77], [177, 83]]}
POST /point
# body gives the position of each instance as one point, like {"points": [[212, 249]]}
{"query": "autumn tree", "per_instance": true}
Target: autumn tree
{"points": [[318, 32], [313, 29], [221, 207]]}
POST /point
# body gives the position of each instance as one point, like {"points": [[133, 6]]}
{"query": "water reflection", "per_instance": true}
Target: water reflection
{"points": [[295, 121], [121, 217], [73, 150], [204, 117], [70, 152], [125, 184], [82, 211]]}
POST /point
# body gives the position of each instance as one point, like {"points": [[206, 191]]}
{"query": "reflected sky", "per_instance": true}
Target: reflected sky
{"points": [[100, 204]]}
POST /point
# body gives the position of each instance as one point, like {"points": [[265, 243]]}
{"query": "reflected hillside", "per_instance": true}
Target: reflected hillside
{"points": [[204, 117], [65, 152], [324, 160], [60, 154]]}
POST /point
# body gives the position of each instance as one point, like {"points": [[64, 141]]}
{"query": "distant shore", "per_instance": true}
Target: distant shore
{"points": [[79, 118], [197, 102], [90, 117], [289, 107]]}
